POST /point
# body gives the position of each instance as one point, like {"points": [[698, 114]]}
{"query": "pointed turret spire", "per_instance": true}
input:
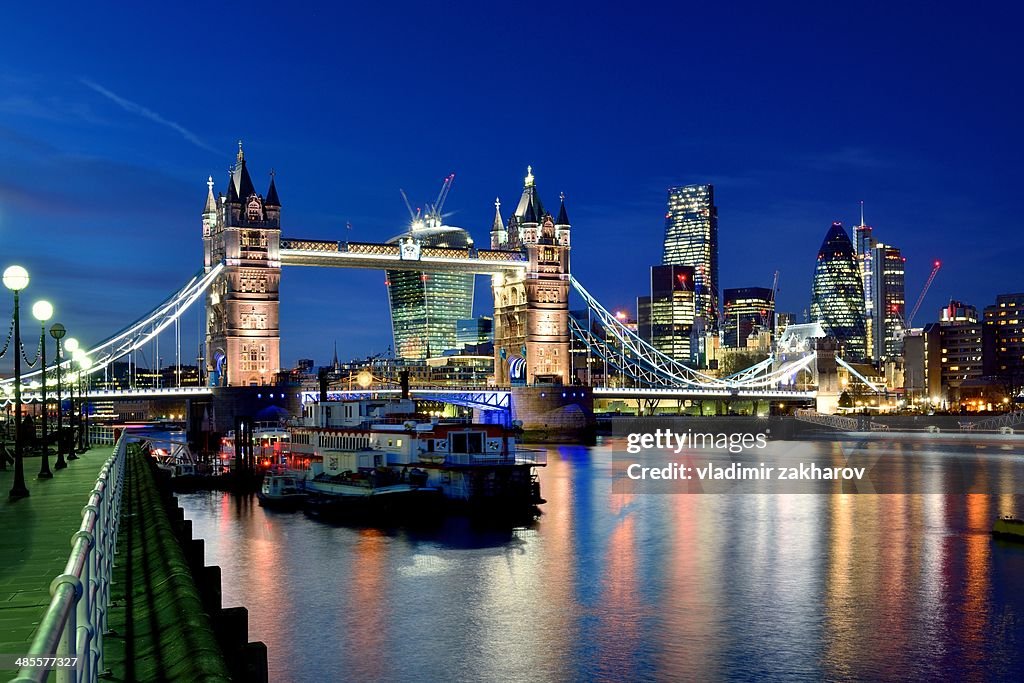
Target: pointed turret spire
{"points": [[531, 212], [336, 364], [211, 201], [497, 225], [563, 217], [528, 180], [241, 154], [232, 192], [272, 199]]}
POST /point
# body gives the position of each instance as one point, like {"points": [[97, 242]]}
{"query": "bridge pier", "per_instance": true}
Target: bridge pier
{"points": [[553, 412]]}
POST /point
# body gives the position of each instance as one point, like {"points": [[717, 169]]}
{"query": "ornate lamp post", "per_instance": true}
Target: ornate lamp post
{"points": [[16, 279], [57, 331], [71, 345], [43, 311], [84, 363]]}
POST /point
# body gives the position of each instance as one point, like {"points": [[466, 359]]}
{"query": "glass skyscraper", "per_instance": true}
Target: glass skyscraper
{"points": [[747, 309], [691, 239], [666, 318], [426, 307], [865, 246], [889, 306], [837, 295]]}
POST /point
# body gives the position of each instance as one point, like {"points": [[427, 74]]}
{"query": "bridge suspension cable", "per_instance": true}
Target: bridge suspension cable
{"points": [[622, 349], [649, 360], [146, 328]]}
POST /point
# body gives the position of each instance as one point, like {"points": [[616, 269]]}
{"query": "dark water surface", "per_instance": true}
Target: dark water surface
{"points": [[616, 586]]}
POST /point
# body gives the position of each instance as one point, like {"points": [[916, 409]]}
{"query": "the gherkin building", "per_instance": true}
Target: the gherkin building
{"points": [[837, 296]]}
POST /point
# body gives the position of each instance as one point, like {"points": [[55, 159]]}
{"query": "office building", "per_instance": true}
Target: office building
{"points": [[425, 307], [746, 311], [691, 239], [889, 302], [864, 243], [837, 295], [1004, 341], [952, 353], [666, 319], [474, 331]]}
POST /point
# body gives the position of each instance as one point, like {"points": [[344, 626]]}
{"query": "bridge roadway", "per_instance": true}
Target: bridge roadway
{"points": [[475, 397], [295, 252], [694, 393]]}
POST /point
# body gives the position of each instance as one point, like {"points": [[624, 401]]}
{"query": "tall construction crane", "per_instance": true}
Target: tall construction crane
{"points": [[775, 312], [433, 214], [920, 299]]}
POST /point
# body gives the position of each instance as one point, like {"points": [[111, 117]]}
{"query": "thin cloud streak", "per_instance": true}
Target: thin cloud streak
{"points": [[134, 108]]}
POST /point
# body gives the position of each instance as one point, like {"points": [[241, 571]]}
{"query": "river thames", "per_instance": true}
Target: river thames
{"points": [[630, 586]]}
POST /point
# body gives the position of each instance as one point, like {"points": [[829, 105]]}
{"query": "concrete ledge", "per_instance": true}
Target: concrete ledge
{"points": [[166, 612]]}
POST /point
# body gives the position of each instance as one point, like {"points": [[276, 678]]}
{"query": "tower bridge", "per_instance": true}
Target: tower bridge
{"points": [[537, 343]]}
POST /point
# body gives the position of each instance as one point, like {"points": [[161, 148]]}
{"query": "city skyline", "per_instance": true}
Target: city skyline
{"points": [[105, 152]]}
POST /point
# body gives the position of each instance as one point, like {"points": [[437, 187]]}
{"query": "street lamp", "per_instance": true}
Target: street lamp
{"points": [[71, 345], [16, 279], [43, 311], [84, 363], [57, 331]]}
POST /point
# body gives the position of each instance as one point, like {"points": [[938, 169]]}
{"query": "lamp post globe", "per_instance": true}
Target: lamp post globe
{"points": [[57, 331], [43, 311], [71, 345], [15, 278]]}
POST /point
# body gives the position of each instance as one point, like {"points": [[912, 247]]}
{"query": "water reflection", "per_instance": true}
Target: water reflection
{"points": [[643, 587]]}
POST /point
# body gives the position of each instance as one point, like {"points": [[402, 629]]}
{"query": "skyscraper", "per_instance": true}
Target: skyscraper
{"points": [[426, 307], [746, 310], [864, 242], [837, 295], [889, 301], [666, 318], [691, 239]]}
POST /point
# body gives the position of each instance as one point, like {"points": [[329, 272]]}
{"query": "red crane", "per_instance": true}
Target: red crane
{"points": [[927, 284]]}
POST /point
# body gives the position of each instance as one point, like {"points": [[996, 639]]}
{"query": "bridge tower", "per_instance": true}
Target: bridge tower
{"points": [[531, 310], [243, 229]]}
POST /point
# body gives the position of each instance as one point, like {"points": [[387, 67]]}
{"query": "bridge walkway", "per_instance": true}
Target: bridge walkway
{"points": [[35, 541]]}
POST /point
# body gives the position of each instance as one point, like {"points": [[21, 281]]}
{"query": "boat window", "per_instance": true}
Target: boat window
{"points": [[467, 442]]}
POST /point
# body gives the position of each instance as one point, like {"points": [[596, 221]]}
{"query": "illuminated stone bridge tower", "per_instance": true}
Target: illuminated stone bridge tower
{"points": [[531, 310], [243, 229]]}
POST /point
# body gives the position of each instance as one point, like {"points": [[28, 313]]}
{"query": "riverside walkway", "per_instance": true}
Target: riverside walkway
{"points": [[35, 541], [165, 618]]}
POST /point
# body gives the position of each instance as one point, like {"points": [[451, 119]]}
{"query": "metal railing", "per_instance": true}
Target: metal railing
{"points": [[74, 623], [846, 424]]}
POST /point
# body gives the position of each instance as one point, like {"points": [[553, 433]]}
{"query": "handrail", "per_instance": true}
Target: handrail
{"points": [[76, 619]]}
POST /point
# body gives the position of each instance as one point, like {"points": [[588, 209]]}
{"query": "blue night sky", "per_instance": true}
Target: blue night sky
{"points": [[112, 116]]}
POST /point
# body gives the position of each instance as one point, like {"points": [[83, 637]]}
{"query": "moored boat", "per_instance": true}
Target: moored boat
{"points": [[281, 492], [1009, 528], [473, 466]]}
